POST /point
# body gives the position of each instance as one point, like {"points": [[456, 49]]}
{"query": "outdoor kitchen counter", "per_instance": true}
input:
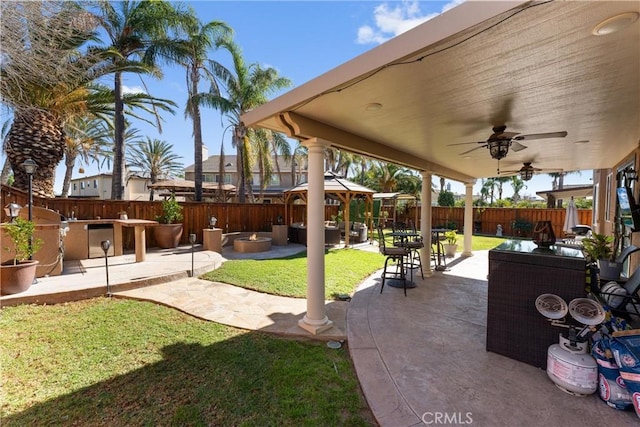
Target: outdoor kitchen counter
{"points": [[77, 240], [520, 271]]}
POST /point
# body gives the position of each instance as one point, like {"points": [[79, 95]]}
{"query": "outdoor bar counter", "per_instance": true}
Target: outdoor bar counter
{"points": [[520, 271], [78, 242]]}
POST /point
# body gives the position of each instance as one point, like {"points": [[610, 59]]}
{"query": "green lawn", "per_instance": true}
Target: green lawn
{"points": [[113, 362], [479, 243], [344, 270]]}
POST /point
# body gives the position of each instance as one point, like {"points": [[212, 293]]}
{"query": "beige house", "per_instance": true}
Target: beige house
{"points": [[99, 187], [274, 189]]}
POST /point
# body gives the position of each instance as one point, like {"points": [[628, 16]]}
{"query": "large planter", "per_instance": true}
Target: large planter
{"points": [[17, 278], [167, 235]]}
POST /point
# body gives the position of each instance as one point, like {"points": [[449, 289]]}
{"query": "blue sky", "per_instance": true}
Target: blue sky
{"points": [[302, 40]]}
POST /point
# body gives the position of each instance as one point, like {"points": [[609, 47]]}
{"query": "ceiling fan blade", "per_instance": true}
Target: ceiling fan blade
{"points": [[502, 111], [473, 149], [506, 135], [466, 143], [541, 136], [516, 146], [509, 172]]}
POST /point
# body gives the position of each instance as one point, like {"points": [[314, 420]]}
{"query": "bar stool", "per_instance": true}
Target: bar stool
{"points": [[393, 253], [414, 244]]}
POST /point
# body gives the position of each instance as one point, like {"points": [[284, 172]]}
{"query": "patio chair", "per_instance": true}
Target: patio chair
{"points": [[392, 253], [623, 298], [414, 244]]}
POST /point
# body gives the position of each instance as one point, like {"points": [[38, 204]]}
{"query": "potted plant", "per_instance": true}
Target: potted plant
{"points": [[451, 237], [169, 231], [19, 273], [601, 249]]}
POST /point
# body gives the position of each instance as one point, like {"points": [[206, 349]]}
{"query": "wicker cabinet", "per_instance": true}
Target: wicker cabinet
{"points": [[519, 271]]}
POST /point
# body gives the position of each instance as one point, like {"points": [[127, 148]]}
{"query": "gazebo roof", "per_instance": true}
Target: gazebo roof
{"points": [[333, 184], [395, 196]]}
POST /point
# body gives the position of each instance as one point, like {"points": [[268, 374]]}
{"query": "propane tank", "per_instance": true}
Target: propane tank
{"points": [[571, 368]]}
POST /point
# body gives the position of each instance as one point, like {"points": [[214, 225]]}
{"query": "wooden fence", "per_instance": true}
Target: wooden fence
{"points": [[234, 217]]}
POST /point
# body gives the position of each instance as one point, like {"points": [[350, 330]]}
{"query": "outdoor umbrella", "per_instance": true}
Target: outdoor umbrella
{"points": [[571, 217]]}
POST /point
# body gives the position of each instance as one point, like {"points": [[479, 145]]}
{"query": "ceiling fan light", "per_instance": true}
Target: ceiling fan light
{"points": [[526, 174], [499, 148]]}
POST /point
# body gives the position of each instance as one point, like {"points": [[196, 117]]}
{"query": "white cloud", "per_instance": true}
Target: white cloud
{"points": [[131, 90], [391, 21]]}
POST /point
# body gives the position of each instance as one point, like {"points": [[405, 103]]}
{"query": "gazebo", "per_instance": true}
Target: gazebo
{"points": [[335, 188], [395, 198]]}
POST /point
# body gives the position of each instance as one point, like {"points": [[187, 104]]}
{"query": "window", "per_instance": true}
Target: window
{"points": [[227, 178], [82, 185], [95, 183], [75, 186], [207, 177]]}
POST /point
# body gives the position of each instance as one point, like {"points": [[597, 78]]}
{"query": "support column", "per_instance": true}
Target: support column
{"points": [[315, 320], [425, 223], [468, 218]]}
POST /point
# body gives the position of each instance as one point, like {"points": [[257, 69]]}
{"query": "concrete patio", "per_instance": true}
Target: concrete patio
{"points": [[420, 359]]}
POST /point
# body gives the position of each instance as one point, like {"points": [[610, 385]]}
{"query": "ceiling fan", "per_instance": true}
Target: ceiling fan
{"points": [[527, 171], [500, 141]]}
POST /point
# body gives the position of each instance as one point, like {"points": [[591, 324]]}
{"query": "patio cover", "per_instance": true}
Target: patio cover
{"points": [[336, 187], [577, 191]]}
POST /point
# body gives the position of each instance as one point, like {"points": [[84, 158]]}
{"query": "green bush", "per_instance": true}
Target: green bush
{"points": [[171, 211], [20, 232]]}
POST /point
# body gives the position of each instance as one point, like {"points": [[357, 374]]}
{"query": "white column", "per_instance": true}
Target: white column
{"points": [[468, 218], [425, 223], [315, 320]]}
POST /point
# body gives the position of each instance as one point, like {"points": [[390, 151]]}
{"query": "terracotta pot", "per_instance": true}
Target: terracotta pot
{"points": [[167, 235], [17, 278]]}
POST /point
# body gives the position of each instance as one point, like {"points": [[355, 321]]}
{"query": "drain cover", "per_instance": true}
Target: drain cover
{"points": [[334, 344]]}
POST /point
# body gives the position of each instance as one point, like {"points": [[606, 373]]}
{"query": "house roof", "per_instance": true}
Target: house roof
{"points": [[535, 67], [212, 165]]}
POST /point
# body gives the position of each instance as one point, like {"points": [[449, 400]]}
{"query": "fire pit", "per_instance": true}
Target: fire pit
{"points": [[252, 243]]}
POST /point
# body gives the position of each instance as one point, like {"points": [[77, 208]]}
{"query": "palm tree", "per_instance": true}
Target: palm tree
{"points": [[517, 184], [88, 139], [279, 147], [246, 87], [134, 28], [488, 188], [46, 80], [299, 156], [156, 159], [268, 145], [191, 52], [499, 182]]}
